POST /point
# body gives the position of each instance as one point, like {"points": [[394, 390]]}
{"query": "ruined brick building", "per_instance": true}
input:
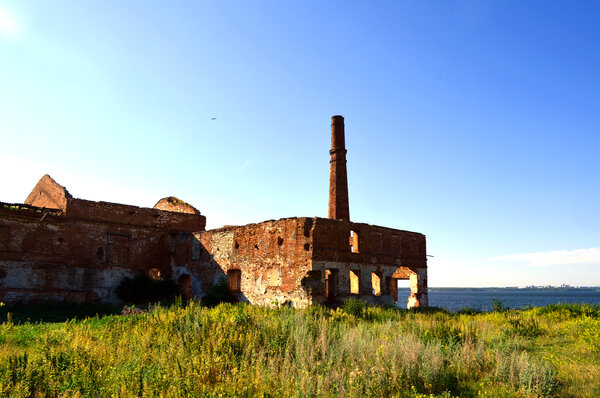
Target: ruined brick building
{"points": [[56, 247]]}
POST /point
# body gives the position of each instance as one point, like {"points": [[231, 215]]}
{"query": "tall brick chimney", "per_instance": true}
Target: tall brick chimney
{"points": [[339, 208]]}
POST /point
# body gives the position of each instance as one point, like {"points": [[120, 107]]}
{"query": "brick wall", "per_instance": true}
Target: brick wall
{"points": [[289, 260], [83, 253], [273, 259]]}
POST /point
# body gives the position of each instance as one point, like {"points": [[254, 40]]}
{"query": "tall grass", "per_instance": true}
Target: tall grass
{"points": [[241, 350]]}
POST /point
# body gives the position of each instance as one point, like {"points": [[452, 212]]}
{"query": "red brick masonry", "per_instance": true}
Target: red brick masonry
{"points": [[56, 247]]}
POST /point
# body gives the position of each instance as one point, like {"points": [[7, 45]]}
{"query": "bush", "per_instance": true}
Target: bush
{"points": [[525, 373], [587, 329], [525, 327], [218, 293], [468, 311], [355, 307], [141, 289], [497, 306], [571, 310]]}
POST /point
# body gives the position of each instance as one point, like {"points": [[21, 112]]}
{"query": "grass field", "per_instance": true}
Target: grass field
{"points": [[242, 350]]}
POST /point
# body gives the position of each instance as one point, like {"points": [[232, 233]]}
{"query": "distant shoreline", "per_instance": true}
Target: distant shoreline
{"points": [[504, 289]]}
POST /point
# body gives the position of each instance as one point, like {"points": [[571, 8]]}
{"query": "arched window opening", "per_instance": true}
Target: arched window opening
{"points": [[100, 254], [184, 285]]}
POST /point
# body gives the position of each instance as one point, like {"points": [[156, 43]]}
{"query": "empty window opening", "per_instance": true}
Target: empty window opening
{"points": [[234, 280], [307, 246], [237, 245], [196, 249], [100, 253], [4, 235], [256, 247], [330, 284], [377, 243], [279, 241], [354, 282], [43, 242], [353, 241], [185, 287], [313, 282], [376, 284], [117, 248], [396, 245], [155, 274]]}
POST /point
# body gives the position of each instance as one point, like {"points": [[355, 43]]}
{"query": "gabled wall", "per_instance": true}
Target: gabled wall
{"points": [[49, 194], [78, 250]]}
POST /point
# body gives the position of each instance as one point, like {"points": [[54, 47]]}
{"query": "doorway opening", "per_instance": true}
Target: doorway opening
{"points": [[330, 284], [400, 289], [234, 280]]}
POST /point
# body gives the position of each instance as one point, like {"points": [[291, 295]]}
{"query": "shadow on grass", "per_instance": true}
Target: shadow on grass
{"points": [[55, 312]]}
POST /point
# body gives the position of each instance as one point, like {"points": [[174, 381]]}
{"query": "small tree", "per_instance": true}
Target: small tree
{"points": [[497, 306]]}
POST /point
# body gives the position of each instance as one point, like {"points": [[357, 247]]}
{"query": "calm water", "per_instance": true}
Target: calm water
{"points": [[483, 299]]}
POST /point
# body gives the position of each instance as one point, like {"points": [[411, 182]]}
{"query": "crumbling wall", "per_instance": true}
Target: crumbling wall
{"points": [[83, 253], [169, 213], [366, 261], [24, 282], [83, 249], [173, 204], [272, 260], [105, 212], [49, 194], [295, 260]]}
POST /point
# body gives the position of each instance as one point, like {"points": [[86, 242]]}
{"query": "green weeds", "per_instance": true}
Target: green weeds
{"points": [[242, 350]]}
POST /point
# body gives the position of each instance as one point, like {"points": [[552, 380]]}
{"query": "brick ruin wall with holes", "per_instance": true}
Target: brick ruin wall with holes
{"points": [[83, 256], [265, 263], [81, 250], [369, 261], [56, 247], [290, 260]]}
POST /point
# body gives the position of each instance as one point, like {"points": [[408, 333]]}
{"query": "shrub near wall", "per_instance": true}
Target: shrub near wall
{"points": [[142, 289]]}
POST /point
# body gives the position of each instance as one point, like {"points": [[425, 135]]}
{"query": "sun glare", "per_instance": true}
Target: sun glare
{"points": [[8, 22]]}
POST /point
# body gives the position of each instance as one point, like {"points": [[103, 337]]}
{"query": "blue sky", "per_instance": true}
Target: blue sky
{"points": [[474, 122]]}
